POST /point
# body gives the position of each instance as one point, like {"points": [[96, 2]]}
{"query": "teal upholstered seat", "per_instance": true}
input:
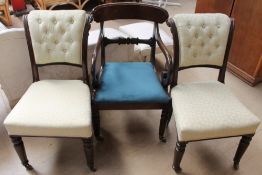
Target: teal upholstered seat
{"points": [[130, 82]]}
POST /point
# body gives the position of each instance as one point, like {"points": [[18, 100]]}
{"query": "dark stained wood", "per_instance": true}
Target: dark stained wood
{"points": [[242, 147], [222, 72], [89, 153], [178, 155], [116, 11], [164, 120], [214, 6], [31, 51], [129, 10], [96, 121], [20, 150]]}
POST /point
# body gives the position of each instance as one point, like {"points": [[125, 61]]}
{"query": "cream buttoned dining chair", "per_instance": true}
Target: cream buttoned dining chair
{"points": [[54, 108], [206, 110]]}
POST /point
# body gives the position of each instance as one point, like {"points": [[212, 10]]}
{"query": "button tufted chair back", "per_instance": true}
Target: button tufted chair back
{"points": [[57, 37], [201, 40]]}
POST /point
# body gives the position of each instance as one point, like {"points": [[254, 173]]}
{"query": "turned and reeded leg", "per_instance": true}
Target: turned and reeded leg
{"points": [[89, 152], [242, 147], [96, 123], [178, 155], [20, 149]]}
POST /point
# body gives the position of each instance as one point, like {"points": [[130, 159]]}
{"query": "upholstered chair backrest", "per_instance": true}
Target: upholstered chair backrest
{"points": [[56, 36], [202, 38]]}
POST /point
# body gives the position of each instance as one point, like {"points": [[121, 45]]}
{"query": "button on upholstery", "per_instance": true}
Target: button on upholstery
{"points": [[62, 30], [54, 21], [72, 20], [39, 21], [56, 36], [188, 25], [196, 35], [206, 39]]}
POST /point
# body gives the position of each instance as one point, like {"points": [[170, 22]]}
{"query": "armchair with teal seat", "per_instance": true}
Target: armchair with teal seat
{"points": [[129, 85]]}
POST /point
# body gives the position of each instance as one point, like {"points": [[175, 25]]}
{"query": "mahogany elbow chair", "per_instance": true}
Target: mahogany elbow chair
{"points": [[206, 110], [129, 85], [54, 108]]}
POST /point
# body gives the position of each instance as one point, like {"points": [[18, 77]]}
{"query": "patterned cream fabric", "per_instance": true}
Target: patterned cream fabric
{"points": [[202, 38], [209, 110], [58, 108], [57, 35]]}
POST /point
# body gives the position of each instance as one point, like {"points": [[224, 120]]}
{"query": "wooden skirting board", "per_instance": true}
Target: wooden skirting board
{"points": [[243, 75]]}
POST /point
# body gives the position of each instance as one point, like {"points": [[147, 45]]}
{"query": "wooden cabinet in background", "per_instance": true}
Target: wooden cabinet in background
{"points": [[245, 59]]}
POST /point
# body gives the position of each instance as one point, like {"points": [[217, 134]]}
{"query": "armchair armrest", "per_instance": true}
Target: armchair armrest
{"points": [[167, 73], [94, 75]]}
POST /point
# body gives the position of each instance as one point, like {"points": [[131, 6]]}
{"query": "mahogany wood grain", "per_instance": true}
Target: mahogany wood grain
{"points": [[247, 43], [214, 6]]}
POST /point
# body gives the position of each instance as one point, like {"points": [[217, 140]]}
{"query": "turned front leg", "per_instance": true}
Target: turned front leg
{"points": [[242, 147], [89, 152], [178, 155], [20, 150]]}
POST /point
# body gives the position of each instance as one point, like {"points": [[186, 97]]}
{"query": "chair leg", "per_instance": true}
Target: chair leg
{"points": [[89, 153], [20, 150], [242, 147], [170, 112], [178, 155], [164, 120], [96, 123], [162, 126]]}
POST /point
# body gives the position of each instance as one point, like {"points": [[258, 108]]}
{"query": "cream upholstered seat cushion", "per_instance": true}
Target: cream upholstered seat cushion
{"points": [[202, 38], [209, 110], [57, 35], [59, 108]]}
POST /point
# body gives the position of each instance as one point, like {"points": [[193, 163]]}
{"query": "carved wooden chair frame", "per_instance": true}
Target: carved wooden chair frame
{"points": [[88, 142], [113, 11], [180, 146]]}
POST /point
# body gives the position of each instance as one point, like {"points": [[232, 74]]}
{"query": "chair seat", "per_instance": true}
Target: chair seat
{"points": [[209, 110], [130, 82], [59, 108]]}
